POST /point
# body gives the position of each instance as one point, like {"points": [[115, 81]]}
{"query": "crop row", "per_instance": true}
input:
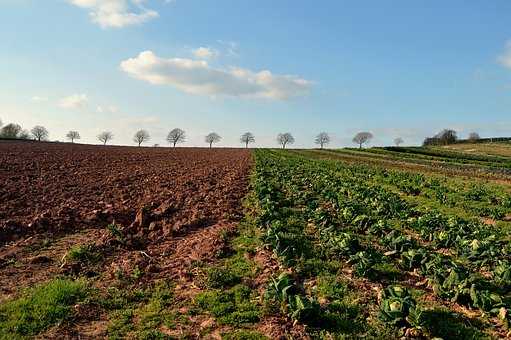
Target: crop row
{"points": [[316, 212]]}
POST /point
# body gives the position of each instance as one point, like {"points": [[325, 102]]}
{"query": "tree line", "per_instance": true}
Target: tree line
{"points": [[174, 137], [448, 136], [178, 136]]}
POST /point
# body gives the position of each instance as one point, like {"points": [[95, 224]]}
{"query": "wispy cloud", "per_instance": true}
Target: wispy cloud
{"points": [[74, 101], [205, 53], [198, 77], [107, 109], [39, 99], [116, 13], [505, 58]]}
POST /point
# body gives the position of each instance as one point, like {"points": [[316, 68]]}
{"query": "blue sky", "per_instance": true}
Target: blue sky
{"points": [[395, 68]]}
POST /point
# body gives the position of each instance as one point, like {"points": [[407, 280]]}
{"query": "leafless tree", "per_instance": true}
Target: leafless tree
{"points": [[285, 139], [141, 136], [474, 137], [398, 141], [72, 135], [213, 137], [247, 138], [322, 139], [105, 136], [176, 136], [362, 138], [39, 132], [11, 131]]}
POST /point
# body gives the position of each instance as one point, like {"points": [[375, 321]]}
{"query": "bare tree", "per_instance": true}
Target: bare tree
{"points": [[39, 132], [176, 136], [247, 138], [362, 138], [322, 139], [105, 136], [211, 138], [141, 136], [398, 141], [285, 139], [473, 137], [11, 131], [72, 135]]}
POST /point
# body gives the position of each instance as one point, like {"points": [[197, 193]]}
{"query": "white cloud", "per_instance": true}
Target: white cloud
{"points": [[116, 13], [197, 77], [74, 101], [505, 58], [205, 53], [109, 108], [39, 99]]}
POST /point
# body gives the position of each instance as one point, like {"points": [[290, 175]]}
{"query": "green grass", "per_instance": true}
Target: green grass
{"points": [[40, 308], [234, 306], [243, 334], [140, 314], [86, 253]]}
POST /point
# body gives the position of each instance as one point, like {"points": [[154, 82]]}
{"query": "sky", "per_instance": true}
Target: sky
{"points": [[395, 68]]}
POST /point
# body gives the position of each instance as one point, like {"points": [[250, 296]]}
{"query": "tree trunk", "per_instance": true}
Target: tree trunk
{"points": [[175, 144], [360, 145], [210, 144]]}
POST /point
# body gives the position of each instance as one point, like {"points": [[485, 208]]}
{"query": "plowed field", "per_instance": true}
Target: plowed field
{"points": [[143, 213]]}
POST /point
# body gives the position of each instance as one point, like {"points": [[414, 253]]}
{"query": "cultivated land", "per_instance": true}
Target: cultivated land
{"points": [[156, 243]]}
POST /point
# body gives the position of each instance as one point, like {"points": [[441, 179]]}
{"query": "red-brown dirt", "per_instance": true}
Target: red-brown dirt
{"points": [[171, 207]]}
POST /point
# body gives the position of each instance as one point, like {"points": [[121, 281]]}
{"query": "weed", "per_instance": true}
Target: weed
{"points": [[87, 253]]}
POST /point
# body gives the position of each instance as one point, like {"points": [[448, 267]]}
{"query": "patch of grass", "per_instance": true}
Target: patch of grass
{"points": [[230, 307], [442, 323], [242, 334], [331, 288], [86, 253], [140, 315], [221, 277], [40, 308]]}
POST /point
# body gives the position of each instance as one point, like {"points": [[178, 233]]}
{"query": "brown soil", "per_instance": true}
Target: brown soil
{"points": [[170, 206]]}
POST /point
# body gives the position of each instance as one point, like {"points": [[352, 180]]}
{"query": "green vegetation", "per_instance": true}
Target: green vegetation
{"points": [[235, 306], [84, 253], [139, 314], [40, 308], [323, 218]]}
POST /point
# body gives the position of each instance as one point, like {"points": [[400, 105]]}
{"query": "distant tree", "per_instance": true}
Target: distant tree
{"points": [[105, 137], [11, 131], [176, 136], [398, 141], [1, 123], [362, 138], [322, 139], [72, 135], [473, 137], [39, 133], [446, 137], [211, 138], [141, 136], [285, 139], [247, 138], [24, 134]]}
